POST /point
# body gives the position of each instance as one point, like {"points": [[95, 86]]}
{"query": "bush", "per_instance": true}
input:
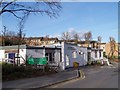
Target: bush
{"points": [[12, 72], [47, 68], [104, 54], [98, 62], [118, 57], [7, 68]]}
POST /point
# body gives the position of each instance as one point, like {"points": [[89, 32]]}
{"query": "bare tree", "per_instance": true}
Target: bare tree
{"points": [[112, 47], [99, 39], [8, 37], [88, 37], [75, 35], [4, 32], [22, 9], [66, 36], [21, 35]]}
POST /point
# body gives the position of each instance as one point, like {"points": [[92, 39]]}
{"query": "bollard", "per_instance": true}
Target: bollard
{"points": [[78, 73]]}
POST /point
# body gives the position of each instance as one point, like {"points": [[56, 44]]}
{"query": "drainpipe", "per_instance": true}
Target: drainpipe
{"points": [[18, 54], [43, 56], [43, 51]]}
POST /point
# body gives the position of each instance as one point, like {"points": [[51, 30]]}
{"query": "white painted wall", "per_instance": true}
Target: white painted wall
{"points": [[22, 54], [2, 54], [68, 49], [57, 56], [93, 55], [35, 53], [63, 63]]}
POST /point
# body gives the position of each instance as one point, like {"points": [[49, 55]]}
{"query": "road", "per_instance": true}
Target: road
{"points": [[95, 77]]}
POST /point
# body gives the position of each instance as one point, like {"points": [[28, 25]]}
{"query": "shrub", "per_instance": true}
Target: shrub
{"points": [[12, 72], [118, 57], [47, 68], [7, 68], [104, 54]]}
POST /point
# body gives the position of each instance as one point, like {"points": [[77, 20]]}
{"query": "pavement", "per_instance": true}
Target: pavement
{"points": [[43, 81]]}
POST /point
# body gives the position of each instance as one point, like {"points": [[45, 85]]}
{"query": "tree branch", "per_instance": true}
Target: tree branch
{"points": [[13, 14], [14, 7]]}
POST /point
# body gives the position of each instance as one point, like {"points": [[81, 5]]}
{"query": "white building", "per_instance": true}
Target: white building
{"points": [[95, 54], [60, 54], [25, 52], [71, 54]]}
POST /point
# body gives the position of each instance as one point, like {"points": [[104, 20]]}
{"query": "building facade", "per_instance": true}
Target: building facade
{"points": [[61, 54], [37, 41], [108, 49]]}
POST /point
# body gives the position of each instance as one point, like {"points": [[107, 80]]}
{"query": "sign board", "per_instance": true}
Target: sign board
{"points": [[41, 61]]}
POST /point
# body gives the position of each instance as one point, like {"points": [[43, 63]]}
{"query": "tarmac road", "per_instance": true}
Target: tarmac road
{"points": [[95, 77]]}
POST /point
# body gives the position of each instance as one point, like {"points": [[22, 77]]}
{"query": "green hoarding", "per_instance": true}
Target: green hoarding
{"points": [[41, 61], [30, 61]]}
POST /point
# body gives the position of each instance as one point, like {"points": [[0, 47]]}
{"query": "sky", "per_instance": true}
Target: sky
{"points": [[101, 18]]}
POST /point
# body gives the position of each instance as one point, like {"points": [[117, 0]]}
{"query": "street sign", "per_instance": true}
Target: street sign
{"points": [[41, 61]]}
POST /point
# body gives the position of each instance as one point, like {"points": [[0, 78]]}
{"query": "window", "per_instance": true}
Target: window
{"points": [[53, 57], [50, 57], [99, 53], [67, 60], [81, 53], [74, 54], [46, 55], [6, 55], [95, 54]]}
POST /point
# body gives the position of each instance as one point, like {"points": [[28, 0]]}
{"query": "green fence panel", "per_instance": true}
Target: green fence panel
{"points": [[31, 61], [41, 61]]}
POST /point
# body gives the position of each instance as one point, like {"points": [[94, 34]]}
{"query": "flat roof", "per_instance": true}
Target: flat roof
{"points": [[27, 47], [12, 47]]}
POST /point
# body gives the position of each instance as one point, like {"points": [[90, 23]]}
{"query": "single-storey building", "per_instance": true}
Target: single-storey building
{"points": [[61, 54], [71, 54], [11, 52]]}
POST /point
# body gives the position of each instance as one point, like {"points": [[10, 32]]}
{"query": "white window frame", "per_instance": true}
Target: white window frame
{"points": [[74, 54]]}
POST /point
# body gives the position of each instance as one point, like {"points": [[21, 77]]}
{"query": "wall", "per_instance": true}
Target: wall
{"points": [[67, 55], [102, 46], [107, 49], [35, 53], [22, 54], [93, 55], [58, 56], [2, 54], [13, 49]]}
